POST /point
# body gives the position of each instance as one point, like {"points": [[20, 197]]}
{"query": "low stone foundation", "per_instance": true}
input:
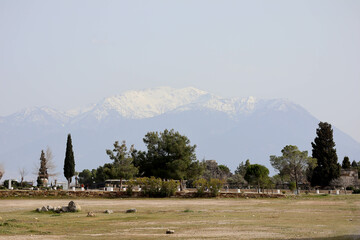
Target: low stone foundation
{"points": [[117, 194]]}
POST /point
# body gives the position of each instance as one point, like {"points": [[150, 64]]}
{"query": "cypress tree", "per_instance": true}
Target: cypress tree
{"points": [[69, 162], [346, 163], [43, 173], [324, 151]]}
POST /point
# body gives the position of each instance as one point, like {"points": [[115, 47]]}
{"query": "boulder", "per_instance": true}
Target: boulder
{"points": [[91, 214], [38, 209], [50, 208], [109, 211], [131, 210], [74, 207], [170, 231]]}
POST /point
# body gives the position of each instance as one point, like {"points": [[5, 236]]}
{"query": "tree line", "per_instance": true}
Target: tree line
{"points": [[170, 155]]}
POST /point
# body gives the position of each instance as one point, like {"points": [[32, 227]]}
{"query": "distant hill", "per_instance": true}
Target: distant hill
{"points": [[229, 130]]}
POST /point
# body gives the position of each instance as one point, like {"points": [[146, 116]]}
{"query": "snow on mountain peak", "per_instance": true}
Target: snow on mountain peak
{"points": [[139, 104], [147, 103]]}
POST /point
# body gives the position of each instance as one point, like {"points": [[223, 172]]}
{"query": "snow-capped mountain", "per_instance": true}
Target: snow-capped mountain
{"points": [[229, 130]]}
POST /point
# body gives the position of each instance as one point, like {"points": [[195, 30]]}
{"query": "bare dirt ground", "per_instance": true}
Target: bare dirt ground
{"points": [[303, 218]]}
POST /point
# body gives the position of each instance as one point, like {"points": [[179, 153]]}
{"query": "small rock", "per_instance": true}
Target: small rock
{"points": [[64, 209], [74, 207], [50, 208], [91, 214], [109, 211], [170, 231], [131, 210], [44, 209], [38, 209]]}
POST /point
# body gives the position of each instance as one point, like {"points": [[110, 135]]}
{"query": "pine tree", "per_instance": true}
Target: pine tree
{"points": [[324, 151], [346, 163], [43, 171], [354, 164], [69, 162]]}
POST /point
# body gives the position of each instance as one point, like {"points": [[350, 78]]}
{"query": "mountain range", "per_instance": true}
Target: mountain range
{"points": [[228, 130]]}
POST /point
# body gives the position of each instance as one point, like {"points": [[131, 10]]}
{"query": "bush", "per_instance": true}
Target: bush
{"points": [[168, 188], [130, 187], [215, 185], [292, 186], [155, 187], [14, 184], [200, 185], [356, 191]]}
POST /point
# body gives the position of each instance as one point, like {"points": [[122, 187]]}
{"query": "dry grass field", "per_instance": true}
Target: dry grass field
{"points": [[306, 217]]}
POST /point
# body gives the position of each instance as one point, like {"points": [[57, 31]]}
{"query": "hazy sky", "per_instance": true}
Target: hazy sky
{"points": [[67, 54]]}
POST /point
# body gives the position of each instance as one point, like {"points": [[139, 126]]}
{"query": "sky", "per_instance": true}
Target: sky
{"points": [[69, 54]]}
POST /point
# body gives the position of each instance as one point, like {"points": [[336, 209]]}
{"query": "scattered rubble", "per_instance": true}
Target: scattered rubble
{"points": [[131, 210], [71, 207]]}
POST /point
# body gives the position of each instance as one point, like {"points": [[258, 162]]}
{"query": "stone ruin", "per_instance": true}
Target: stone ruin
{"points": [[71, 207]]}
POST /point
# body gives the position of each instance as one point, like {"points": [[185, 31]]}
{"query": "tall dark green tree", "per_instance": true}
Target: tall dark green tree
{"points": [[257, 174], [346, 163], [169, 156], [324, 151], [43, 175], [69, 162]]}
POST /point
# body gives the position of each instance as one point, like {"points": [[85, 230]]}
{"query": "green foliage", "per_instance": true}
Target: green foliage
{"points": [[86, 177], [122, 166], [293, 164], [346, 163], [237, 181], [356, 191], [257, 174], [241, 169], [169, 156], [354, 164], [215, 185], [168, 188], [292, 186], [14, 184], [324, 151], [69, 162], [201, 185], [155, 187], [130, 186]]}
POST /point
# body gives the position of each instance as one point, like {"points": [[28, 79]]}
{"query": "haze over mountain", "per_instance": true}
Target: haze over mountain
{"points": [[229, 130]]}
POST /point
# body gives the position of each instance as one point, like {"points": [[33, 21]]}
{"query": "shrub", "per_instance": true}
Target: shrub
{"points": [[168, 188], [130, 186], [215, 185], [356, 191], [200, 185], [292, 186], [155, 187]]}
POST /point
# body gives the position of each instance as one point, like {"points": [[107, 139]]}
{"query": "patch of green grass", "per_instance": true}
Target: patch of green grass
{"points": [[188, 210]]}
